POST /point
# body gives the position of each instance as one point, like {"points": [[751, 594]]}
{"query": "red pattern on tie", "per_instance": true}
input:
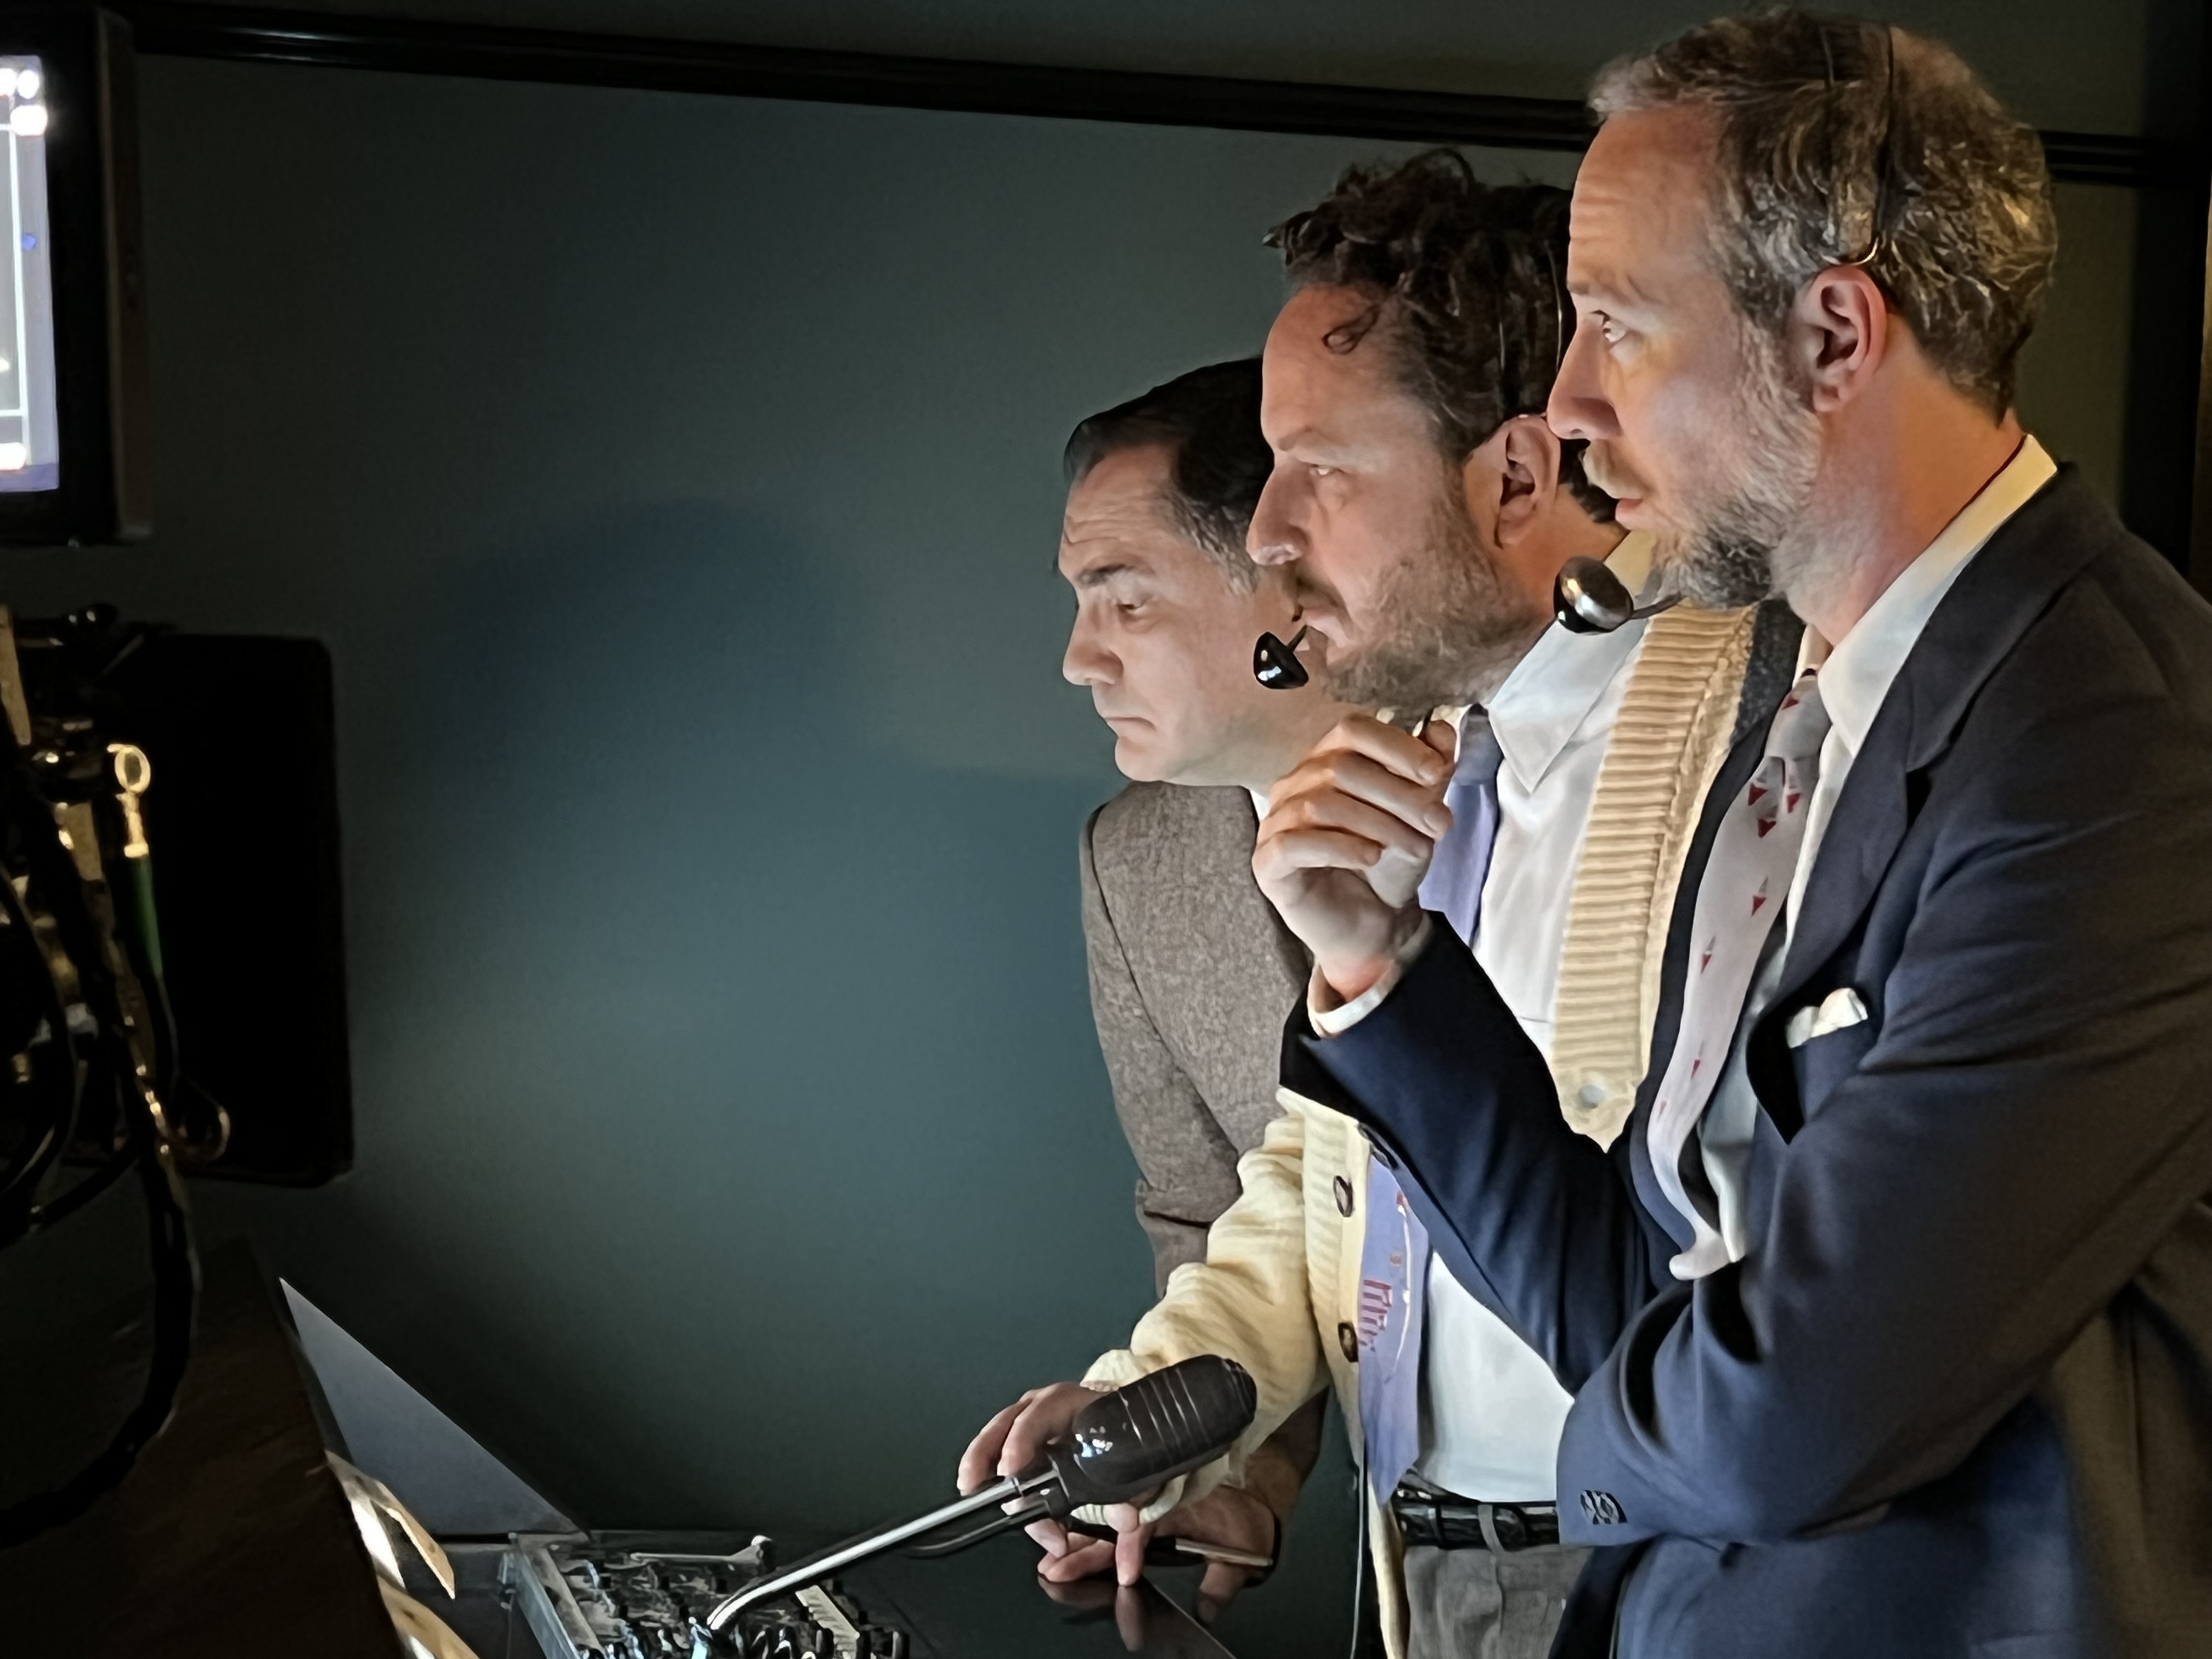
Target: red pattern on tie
{"points": [[1749, 865]]}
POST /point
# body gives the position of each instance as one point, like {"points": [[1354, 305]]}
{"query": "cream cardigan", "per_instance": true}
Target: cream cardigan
{"points": [[1278, 1291]]}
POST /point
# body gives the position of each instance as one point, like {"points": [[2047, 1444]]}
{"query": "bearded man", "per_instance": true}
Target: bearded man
{"points": [[1420, 510], [1889, 1332]]}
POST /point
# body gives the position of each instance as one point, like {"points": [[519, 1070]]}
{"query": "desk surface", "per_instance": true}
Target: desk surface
{"points": [[988, 1604], [229, 1539]]}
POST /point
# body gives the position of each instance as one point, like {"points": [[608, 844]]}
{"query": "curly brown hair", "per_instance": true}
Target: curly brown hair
{"points": [[1468, 283]]}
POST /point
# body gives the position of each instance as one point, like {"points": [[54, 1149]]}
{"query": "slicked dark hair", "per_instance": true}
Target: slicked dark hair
{"points": [[1208, 421], [1469, 281]]}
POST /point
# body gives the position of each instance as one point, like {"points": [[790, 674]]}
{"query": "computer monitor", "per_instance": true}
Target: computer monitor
{"points": [[72, 328], [30, 429]]}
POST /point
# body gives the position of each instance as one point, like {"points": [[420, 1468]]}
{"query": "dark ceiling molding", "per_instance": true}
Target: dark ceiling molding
{"points": [[253, 35]]}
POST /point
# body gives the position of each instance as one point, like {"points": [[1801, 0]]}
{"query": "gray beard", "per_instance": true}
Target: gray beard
{"points": [[1449, 627], [1753, 542]]}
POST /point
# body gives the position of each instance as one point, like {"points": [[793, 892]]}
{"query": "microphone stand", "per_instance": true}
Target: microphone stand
{"points": [[822, 1563], [1123, 1444]]}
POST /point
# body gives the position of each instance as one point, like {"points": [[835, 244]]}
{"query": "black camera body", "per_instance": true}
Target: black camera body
{"points": [[193, 1026]]}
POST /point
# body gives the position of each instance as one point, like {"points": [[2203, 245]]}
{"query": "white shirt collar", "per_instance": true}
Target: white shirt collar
{"points": [[1857, 673], [1535, 714]]}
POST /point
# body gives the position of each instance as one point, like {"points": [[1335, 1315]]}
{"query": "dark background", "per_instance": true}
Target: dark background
{"points": [[675, 481]]}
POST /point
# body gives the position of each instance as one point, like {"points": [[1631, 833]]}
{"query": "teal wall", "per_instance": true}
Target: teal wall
{"points": [[675, 481]]}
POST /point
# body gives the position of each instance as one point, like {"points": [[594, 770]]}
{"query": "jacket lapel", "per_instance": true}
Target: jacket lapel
{"points": [[2008, 584]]}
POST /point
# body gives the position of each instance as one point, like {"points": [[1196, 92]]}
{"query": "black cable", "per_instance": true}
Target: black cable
{"points": [[175, 1267], [176, 1289], [990, 1528], [1359, 1572], [53, 1210], [23, 1178]]}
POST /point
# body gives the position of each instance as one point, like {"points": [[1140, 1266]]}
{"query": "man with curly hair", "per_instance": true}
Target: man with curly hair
{"points": [[1420, 510], [1890, 1321]]}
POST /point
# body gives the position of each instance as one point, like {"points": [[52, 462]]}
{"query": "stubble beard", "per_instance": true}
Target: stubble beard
{"points": [[1749, 534], [1449, 626]]}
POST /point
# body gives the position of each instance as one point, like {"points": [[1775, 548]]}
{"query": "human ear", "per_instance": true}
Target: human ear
{"points": [[1520, 463], [1838, 335]]}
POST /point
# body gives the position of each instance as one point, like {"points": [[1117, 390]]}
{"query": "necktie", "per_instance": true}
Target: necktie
{"points": [[1453, 887], [1740, 902], [1394, 1258]]}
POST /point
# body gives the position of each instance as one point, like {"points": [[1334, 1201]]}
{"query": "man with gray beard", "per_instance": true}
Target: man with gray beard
{"points": [[1889, 1334], [1418, 510]]}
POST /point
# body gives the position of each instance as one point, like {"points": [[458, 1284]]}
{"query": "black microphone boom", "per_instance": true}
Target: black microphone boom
{"points": [[1120, 1446], [1588, 599], [1276, 665]]}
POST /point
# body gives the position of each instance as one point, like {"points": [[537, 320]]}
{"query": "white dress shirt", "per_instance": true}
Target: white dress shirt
{"points": [[1856, 675], [1492, 1411]]}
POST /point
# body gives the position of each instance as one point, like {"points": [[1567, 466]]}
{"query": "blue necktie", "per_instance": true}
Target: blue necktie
{"points": [[1394, 1257], [1453, 887]]}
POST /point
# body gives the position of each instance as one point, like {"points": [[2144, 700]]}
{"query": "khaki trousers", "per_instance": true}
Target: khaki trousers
{"points": [[1472, 1604]]}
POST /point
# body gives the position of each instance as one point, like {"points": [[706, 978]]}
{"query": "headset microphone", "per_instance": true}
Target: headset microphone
{"points": [[1120, 1446], [1588, 599], [1276, 665]]}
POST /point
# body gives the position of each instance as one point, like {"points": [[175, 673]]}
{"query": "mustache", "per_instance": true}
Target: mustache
{"points": [[1602, 469], [1304, 590]]}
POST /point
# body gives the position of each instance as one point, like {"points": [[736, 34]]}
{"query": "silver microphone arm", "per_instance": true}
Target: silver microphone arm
{"points": [[820, 1566]]}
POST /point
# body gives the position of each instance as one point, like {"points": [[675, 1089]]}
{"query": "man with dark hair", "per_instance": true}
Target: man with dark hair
{"points": [[1419, 509], [1890, 1334], [1160, 494], [1189, 967]]}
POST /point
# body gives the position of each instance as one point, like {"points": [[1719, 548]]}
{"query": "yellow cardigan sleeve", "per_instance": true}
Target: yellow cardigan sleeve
{"points": [[1247, 1299]]}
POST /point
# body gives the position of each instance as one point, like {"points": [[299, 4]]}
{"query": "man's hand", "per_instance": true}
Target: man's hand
{"points": [[1016, 1438], [1227, 1516], [1348, 836]]}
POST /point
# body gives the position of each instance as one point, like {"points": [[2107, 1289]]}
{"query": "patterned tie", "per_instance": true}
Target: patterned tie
{"points": [[1393, 1259], [1743, 899]]}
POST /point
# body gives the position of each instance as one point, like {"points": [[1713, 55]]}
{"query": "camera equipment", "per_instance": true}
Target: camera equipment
{"points": [[1119, 1446], [98, 1084]]}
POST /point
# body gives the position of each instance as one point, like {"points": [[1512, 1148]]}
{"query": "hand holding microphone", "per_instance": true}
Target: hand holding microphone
{"points": [[1232, 1531], [1116, 1448]]}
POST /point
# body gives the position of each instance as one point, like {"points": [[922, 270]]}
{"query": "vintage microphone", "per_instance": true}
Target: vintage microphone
{"points": [[1120, 1446]]}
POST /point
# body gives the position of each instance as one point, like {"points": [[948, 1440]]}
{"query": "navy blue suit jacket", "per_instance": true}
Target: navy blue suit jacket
{"points": [[1957, 1399]]}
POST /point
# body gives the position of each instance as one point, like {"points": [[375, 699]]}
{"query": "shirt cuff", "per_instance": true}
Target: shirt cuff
{"points": [[1331, 1017]]}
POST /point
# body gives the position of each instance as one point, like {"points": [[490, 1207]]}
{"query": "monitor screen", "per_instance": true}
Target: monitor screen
{"points": [[30, 446]]}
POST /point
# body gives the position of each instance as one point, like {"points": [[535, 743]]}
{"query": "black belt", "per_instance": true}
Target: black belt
{"points": [[1444, 1522]]}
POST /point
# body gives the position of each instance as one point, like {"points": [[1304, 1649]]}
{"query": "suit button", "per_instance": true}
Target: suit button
{"points": [[1348, 1340], [1382, 1152], [1343, 1196]]}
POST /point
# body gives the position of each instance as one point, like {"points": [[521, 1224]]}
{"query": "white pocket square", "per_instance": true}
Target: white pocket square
{"points": [[1837, 1009]]}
